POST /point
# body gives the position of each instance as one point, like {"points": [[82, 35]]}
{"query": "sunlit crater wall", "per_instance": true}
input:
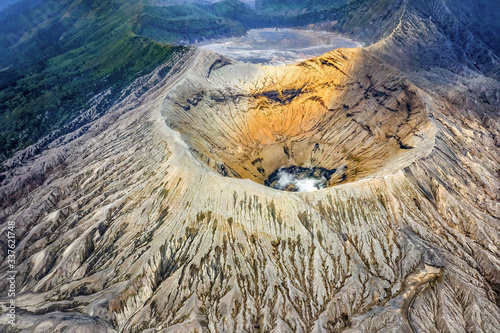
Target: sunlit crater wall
{"points": [[312, 114]]}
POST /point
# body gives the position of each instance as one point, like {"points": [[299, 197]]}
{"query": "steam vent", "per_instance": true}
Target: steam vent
{"points": [[353, 192], [299, 179]]}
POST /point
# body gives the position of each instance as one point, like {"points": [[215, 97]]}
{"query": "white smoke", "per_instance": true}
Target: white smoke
{"points": [[305, 185], [302, 185]]}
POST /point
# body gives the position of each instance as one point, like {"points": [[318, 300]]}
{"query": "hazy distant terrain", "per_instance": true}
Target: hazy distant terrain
{"points": [[278, 46]]}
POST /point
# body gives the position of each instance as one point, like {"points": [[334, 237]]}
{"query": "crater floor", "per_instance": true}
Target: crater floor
{"points": [[282, 46]]}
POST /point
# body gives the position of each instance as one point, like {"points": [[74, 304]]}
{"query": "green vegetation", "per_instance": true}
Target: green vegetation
{"points": [[294, 7], [57, 55], [175, 23], [239, 12]]}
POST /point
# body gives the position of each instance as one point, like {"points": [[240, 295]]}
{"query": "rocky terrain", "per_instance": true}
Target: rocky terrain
{"points": [[155, 217]]}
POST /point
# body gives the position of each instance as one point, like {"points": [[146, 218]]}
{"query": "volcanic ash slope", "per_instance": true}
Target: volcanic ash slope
{"points": [[156, 218]]}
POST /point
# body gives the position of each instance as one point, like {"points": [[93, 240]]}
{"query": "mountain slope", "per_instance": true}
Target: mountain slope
{"points": [[153, 217], [58, 55]]}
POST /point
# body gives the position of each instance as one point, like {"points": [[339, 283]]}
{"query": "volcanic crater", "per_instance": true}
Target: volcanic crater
{"points": [[310, 115]]}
